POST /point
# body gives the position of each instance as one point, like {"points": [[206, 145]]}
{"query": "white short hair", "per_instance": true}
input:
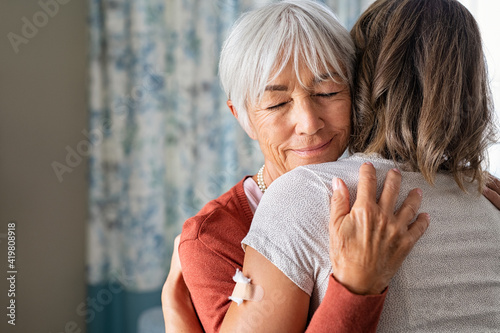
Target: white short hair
{"points": [[263, 41]]}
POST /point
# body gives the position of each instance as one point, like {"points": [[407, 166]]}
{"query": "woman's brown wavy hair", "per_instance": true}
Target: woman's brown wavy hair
{"points": [[421, 93]]}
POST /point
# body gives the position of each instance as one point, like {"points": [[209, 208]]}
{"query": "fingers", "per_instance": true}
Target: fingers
{"points": [[492, 191], [339, 203], [175, 263], [410, 206], [493, 197], [177, 240], [367, 184], [418, 228], [493, 183], [390, 191]]}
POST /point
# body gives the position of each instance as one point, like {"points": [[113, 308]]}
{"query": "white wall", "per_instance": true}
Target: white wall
{"points": [[486, 13]]}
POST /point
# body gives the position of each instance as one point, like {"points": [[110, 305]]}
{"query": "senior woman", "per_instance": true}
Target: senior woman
{"points": [[287, 69], [422, 104]]}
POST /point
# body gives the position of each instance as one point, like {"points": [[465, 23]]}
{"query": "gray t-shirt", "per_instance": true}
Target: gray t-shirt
{"points": [[450, 282]]}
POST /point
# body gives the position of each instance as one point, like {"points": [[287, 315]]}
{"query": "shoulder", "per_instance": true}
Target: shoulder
{"points": [[302, 196], [289, 225], [297, 193], [219, 226], [315, 177]]}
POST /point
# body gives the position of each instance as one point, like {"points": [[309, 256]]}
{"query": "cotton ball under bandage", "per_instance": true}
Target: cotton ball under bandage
{"points": [[244, 291]]}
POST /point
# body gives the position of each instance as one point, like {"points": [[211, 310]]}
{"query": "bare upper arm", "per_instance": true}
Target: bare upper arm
{"points": [[283, 308]]}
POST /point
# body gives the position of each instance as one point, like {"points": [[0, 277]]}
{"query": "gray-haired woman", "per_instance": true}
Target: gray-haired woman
{"points": [[422, 104], [287, 69]]}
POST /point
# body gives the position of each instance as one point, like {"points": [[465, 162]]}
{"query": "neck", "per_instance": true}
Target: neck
{"points": [[270, 174]]}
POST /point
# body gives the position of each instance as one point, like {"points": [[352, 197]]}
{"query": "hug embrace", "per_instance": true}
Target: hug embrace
{"points": [[403, 235]]}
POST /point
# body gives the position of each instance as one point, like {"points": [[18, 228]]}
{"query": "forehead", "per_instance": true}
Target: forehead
{"points": [[283, 77], [305, 70], [306, 78]]}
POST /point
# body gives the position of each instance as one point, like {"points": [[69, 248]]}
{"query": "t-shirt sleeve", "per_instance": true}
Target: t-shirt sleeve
{"points": [[289, 226], [208, 277], [344, 312]]}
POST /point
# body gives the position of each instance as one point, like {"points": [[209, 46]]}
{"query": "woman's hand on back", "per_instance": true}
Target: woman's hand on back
{"points": [[492, 191], [369, 242]]}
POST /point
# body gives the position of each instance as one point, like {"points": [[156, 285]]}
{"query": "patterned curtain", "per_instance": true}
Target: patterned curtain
{"points": [[163, 144]]}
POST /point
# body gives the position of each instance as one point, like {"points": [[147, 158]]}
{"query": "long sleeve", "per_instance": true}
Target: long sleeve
{"points": [[344, 312], [208, 277], [210, 252]]}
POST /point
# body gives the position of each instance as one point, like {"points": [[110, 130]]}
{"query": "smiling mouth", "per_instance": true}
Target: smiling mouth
{"points": [[313, 150]]}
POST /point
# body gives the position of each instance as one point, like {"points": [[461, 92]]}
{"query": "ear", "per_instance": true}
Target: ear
{"points": [[248, 129]]}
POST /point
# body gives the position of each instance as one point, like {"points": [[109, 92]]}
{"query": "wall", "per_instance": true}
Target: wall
{"points": [[42, 111], [486, 14]]}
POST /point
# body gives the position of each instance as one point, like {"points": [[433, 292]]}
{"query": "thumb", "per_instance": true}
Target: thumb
{"points": [[339, 202], [175, 263]]}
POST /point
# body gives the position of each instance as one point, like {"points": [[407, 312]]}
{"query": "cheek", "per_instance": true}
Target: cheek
{"points": [[274, 139], [339, 117], [272, 134], [273, 129]]}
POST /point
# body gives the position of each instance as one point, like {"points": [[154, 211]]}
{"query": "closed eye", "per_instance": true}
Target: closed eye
{"points": [[326, 95], [277, 106]]}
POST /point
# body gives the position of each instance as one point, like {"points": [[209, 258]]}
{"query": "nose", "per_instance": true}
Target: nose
{"points": [[308, 118]]}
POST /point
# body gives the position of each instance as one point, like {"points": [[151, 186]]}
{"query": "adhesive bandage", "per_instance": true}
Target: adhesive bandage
{"points": [[244, 291]]}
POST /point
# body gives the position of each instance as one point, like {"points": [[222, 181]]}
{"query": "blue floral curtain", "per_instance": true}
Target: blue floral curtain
{"points": [[164, 144]]}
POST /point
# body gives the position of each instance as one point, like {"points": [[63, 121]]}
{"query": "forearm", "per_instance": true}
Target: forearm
{"points": [[178, 310], [344, 312], [179, 320]]}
